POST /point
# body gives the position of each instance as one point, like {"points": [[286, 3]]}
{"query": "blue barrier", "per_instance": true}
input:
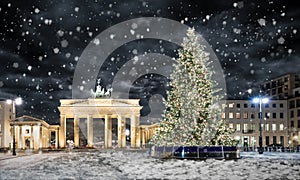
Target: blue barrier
{"points": [[195, 152]]}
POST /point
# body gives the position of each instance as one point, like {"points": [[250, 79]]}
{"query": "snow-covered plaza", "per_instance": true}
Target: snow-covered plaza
{"points": [[130, 164]]}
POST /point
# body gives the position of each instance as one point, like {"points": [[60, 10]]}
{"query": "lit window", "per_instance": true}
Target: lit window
{"points": [[231, 115], [274, 127], [223, 116], [245, 115], [238, 115], [246, 127], [267, 127], [281, 127], [231, 125], [230, 105], [238, 127]]}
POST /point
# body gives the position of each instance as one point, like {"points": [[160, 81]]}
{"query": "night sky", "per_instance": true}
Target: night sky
{"points": [[41, 42]]}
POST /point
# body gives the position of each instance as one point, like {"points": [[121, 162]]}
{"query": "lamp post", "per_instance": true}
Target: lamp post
{"points": [[260, 100], [17, 101]]}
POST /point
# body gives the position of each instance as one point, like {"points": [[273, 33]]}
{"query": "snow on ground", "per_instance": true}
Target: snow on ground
{"points": [[114, 164]]}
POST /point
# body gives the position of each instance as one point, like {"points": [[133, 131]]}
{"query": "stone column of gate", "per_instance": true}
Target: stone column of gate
{"points": [[76, 131], [108, 132], [56, 139], [123, 131], [21, 137], [50, 137], [62, 131], [90, 130], [132, 131], [31, 145], [143, 138], [119, 131], [138, 133], [41, 137], [17, 135]]}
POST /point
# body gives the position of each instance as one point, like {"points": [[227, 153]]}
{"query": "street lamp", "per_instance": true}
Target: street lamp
{"points": [[260, 100], [17, 101]]}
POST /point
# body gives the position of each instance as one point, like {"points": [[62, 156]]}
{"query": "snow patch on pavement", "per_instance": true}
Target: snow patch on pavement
{"points": [[111, 164]]}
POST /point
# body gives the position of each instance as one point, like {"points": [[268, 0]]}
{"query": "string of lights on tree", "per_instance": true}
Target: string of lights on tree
{"points": [[192, 115]]}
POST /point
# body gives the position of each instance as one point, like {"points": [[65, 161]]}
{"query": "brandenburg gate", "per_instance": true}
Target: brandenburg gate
{"points": [[101, 108]]}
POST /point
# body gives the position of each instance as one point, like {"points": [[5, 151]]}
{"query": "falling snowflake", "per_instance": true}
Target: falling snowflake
{"points": [[134, 51], [36, 10], [112, 36], [15, 65], [48, 21], [281, 40], [132, 32], [55, 50], [134, 26], [262, 22], [64, 43], [96, 41]]}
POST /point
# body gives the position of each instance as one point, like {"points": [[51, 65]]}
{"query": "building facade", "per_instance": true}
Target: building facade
{"points": [[287, 87], [243, 117], [6, 115], [33, 133], [294, 117], [281, 87]]}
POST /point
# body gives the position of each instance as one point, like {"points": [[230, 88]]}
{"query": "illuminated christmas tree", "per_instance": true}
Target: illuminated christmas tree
{"points": [[192, 115]]}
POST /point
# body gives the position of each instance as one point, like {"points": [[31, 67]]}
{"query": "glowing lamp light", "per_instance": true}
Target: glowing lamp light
{"points": [[9, 101], [259, 100], [265, 100], [256, 100], [18, 101]]}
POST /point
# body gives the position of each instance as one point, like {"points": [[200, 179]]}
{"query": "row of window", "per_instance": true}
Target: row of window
{"points": [[275, 83], [293, 125], [275, 140], [293, 103], [244, 115], [292, 113], [274, 105], [267, 138], [247, 127], [278, 90]]}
